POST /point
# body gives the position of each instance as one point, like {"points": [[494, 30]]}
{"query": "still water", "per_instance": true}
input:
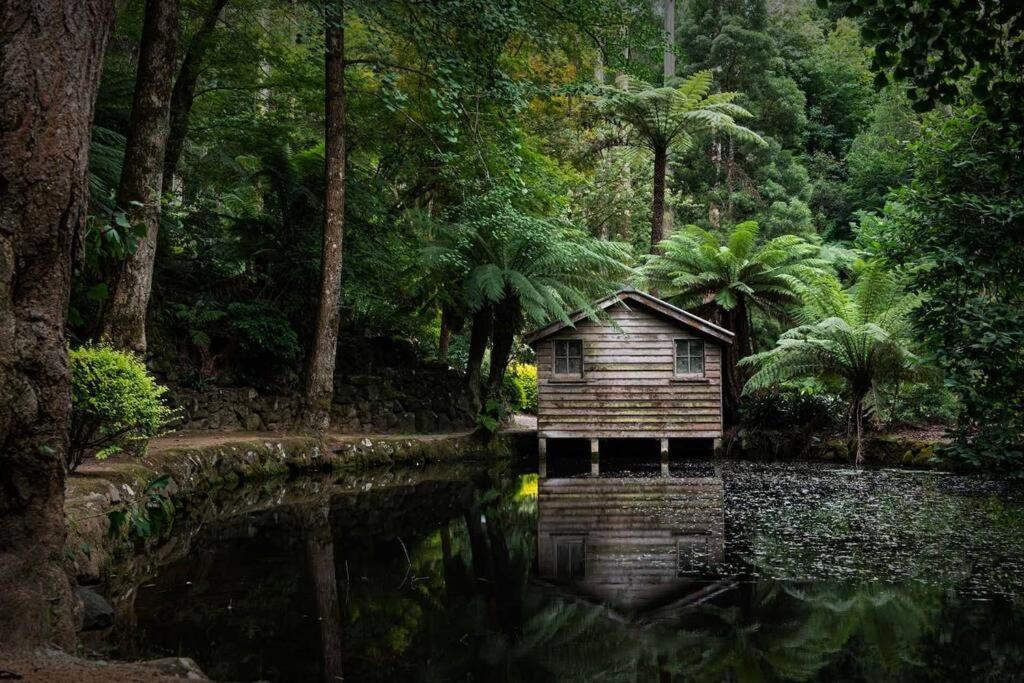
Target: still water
{"points": [[741, 572]]}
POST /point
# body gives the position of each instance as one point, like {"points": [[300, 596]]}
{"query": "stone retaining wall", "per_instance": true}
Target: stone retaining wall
{"points": [[398, 401]]}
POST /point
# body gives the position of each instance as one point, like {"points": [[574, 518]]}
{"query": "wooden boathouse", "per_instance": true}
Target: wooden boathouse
{"points": [[645, 369]]}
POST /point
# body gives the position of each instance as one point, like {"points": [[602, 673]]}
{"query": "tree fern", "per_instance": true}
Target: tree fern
{"points": [[738, 278], [659, 120], [855, 338]]}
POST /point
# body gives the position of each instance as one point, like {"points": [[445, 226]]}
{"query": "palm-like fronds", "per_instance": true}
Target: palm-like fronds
{"points": [[669, 116], [856, 338], [551, 267], [696, 268]]}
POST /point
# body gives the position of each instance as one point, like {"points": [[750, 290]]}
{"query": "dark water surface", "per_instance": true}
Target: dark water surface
{"points": [[743, 572]]}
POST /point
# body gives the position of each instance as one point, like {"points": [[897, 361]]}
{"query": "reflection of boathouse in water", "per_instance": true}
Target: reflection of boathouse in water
{"points": [[636, 545]]}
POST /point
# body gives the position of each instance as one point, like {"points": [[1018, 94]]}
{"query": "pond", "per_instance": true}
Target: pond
{"points": [[740, 571]]}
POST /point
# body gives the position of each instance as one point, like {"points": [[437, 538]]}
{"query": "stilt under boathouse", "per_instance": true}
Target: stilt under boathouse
{"points": [[645, 369]]}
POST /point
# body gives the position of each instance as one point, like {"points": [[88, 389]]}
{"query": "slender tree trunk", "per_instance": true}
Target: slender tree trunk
{"points": [[669, 26], [444, 338], [140, 189], [320, 378], [668, 73], [50, 59], [479, 335], [658, 202], [320, 551], [184, 93], [858, 416]]}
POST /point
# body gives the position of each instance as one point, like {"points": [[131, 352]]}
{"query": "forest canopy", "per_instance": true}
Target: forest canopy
{"points": [[505, 163]]}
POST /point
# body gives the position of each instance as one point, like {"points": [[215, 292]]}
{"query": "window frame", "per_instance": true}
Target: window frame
{"points": [[693, 553], [568, 356], [569, 540], [689, 357]]}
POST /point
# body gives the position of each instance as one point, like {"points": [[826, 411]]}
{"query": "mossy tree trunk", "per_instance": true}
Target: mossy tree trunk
{"points": [[320, 373], [50, 63], [141, 187], [658, 200]]}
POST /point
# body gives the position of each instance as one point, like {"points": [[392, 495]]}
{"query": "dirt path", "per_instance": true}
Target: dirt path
{"points": [[54, 666]]}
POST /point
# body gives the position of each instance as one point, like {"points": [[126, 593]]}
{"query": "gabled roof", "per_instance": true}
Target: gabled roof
{"points": [[632, 297]]}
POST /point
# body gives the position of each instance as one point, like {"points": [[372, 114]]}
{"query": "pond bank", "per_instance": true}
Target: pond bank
{"points": [[194, 464]]}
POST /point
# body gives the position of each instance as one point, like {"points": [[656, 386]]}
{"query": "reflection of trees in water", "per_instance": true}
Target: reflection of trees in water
{"points": [[509, 629], [320, 553], [771, 630]]}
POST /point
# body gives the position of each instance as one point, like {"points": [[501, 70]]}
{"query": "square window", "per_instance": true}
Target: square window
{"points": [[689, 357], [569, 357]]}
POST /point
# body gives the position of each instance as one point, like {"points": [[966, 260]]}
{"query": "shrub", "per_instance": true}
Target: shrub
{"points": [[115, 404], [917, 403], [525, 376], [512, 396], [782, 410]]}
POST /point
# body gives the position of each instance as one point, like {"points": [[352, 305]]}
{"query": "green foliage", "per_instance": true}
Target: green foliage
{"points": [[788, 409], [115, 404], [525, 376], [512, 395], [960, 223], [855, 340], [150, 517], [698, 267], [491, 417], [942, 47], [494, 249], [917, 403], [259, 340], [669, 117]]}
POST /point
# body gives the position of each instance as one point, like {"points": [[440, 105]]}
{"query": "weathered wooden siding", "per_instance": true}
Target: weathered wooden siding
{"points": [[631, 529], [629, 387]]}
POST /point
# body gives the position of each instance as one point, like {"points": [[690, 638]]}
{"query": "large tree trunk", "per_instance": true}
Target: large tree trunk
{"points": [[658, 202], [479, 335], [507, 319], [737, 322], [51, 54], [320, 377], [184, 93], [140, 189]]}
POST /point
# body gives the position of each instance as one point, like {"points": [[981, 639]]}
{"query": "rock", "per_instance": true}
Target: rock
{"points": [[178, 667], [97, 613], [253, 422]]}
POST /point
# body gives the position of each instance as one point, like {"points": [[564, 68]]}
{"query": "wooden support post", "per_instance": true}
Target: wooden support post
{"points": [[664, 457], [595, 461], [716, 445], [542, 457]]}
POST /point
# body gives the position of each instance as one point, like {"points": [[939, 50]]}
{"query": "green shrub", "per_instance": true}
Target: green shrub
{"points": [[917, 403], [783, 410], [512, 396], [115, 404], [525, 376]]}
